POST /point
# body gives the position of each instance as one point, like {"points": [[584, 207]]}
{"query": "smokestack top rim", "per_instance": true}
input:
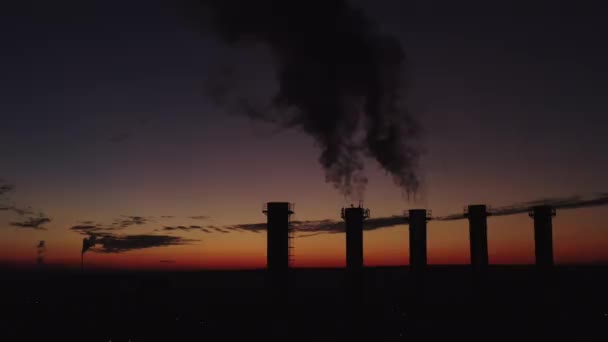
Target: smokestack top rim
{"points": [[477, 206], [417, 210]]}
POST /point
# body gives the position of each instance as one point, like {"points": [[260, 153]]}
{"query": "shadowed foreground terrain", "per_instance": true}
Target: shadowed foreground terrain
{"points": [[381, 304]]}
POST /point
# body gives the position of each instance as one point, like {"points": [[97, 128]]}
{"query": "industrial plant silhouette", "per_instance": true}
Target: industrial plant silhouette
{"points": [[280, 235]]}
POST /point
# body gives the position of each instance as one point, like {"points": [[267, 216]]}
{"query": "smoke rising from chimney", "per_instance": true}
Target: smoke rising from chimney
{"points": [[339, 80]]}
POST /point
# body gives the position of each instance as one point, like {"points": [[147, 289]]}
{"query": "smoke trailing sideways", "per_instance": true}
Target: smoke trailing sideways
{"points": [[339, 80], [571, 202]]}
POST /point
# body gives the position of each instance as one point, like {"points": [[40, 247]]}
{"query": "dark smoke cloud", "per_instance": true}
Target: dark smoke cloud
{"points": [[340, 81], [33, 222], [571, 202], [199, 217], [113, 243]]}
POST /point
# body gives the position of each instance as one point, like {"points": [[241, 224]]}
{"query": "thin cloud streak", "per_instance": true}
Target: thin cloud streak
{"points": [[312, 228], [35, 223]]}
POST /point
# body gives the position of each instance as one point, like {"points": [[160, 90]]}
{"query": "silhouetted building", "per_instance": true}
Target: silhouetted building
{"points": [[417, 219], [478, 235], [543, 235], [278, 235], [353, 218]]}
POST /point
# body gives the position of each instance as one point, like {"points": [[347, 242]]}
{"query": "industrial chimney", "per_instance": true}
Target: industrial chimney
{"points": [[543, 235], [478, 235], [353, 218], [417, 219], [279, 236]]}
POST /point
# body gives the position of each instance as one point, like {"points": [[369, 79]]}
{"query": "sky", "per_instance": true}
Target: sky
{"points": [[104, 119]]}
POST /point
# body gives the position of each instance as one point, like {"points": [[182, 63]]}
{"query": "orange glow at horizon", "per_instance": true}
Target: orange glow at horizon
{"points": [[578, 238]]}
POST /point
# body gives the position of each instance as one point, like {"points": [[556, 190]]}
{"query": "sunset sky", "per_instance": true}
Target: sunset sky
{"points": [[104, 117]]}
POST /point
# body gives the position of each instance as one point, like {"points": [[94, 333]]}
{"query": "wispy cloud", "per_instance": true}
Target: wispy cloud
{"points": [[16, 210], [5, 187], [32, 222], [199, 217], [128, 221], [29, 219], [118, 224], [186, 228]]}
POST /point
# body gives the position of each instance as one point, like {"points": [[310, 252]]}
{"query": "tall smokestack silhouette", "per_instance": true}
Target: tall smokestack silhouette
{"points": [[478, 235], [279, 237], [417, 219], [40, 250], [353, 220], [338, 77], [543, 235]]}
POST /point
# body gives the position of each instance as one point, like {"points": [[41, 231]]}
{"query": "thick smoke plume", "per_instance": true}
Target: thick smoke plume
{"points": [[339, 81]]}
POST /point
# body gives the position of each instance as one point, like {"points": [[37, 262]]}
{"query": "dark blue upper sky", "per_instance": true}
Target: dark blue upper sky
{"points": [[511, 91]]}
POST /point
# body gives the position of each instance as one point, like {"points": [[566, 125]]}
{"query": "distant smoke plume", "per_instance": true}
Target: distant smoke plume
{"points": [[88, 243], [571, 202], [340, 81], [40, 251]]}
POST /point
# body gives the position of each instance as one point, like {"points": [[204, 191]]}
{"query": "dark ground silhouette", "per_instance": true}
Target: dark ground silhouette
{"points": [[379, 304]]}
